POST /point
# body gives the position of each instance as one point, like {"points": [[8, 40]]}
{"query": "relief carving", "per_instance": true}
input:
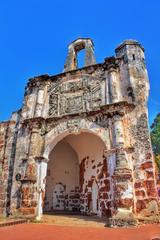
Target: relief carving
{"points": [[80, 95], [53, 101], [74, 125]]}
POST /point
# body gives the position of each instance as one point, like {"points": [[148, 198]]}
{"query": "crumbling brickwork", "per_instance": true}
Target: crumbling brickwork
{"points": [[108, 100]]}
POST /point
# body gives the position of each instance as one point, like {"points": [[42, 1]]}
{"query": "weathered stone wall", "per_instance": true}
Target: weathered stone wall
{"points": [[8, 138], [134, 70], [94, 169], [108, 100]]}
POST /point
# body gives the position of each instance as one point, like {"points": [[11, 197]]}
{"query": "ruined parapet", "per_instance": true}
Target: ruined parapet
{"points": [[74, 48], [110, 101]]}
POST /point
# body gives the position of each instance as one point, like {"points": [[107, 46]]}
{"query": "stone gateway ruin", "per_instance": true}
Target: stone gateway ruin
{"points": [[81, 143]]}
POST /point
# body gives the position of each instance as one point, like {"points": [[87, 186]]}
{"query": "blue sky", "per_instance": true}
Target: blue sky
{"points": [[35, 34]]}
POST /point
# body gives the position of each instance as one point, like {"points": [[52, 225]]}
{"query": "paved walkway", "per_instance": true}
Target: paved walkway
{"points": [[52, 232], [75, 227]]}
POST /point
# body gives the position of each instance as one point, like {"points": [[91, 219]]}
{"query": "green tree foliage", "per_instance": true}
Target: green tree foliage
{"points": [[155, 138]]}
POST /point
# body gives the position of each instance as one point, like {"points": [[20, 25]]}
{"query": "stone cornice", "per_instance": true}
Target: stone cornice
{"points": [[111, 151], [119, 108], [109, 110], [100, 116], [7, 123], [129, 42]]}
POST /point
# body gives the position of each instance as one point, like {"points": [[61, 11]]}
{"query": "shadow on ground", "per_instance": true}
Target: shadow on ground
{"points": [[74, 219]]}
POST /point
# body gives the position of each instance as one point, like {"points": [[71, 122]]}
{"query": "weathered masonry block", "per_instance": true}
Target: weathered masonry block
{"points": [[81, 143]]}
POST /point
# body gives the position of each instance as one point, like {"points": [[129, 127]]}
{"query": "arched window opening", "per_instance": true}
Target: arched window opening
{"points": [[81, 58], [80, 54]]}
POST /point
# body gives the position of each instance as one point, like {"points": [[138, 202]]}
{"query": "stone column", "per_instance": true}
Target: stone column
{"points": [[41, 182], [118, 131], [119, 142], [29, 199], [89, 56], [122, 180], [36, 143], [71, 62], [114, 85], [39, 103]]}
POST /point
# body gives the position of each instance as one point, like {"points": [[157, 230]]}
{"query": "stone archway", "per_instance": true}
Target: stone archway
{"points": [[62, 180], [92, 166]]}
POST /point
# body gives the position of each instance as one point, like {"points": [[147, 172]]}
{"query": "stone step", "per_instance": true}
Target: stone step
{"points": [[13, 222]]}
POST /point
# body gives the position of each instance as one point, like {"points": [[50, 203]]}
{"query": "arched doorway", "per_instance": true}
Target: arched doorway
{"points": [[62, 181], [78, 177]]}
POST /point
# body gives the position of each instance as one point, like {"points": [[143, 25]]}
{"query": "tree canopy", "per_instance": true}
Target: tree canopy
{"points": [[155, 138]]}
